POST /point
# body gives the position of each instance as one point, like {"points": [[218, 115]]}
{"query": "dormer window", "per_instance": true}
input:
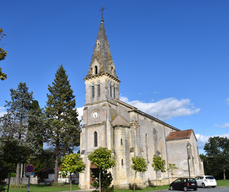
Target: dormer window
{"points": [[112, 70], [96, 70]]}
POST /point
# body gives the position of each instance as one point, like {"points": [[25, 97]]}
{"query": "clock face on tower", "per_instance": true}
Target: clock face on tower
{"points": [[95, 114]]}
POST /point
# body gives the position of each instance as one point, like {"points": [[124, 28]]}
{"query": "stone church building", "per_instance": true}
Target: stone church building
{"points": [[127, 131]]}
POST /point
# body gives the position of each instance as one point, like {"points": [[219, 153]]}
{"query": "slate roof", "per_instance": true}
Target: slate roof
{"points": [[102, 52], [180, 135]]}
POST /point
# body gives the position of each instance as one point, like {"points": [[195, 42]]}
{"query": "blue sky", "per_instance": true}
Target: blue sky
{"points": [[172, 57]]}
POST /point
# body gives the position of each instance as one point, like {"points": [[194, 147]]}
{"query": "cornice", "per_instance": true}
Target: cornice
{"points": [[104, 73]]}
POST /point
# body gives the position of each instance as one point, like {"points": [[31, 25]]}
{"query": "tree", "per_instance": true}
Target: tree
{"points": [[158, 165], [72, 163], [217, 153], [15, 122], [63, 125], [106, 180], [36, 130], [102, 159], [2, 55], [13, 154], [171, 168], [139, 165]]}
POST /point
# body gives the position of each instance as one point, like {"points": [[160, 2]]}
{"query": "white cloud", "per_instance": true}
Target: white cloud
{"points": [[227, 100], [226, 125], [165, 108], [2, 111], [202, 140]]}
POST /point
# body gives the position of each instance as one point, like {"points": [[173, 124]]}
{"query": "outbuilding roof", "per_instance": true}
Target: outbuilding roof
{"points": [[186, 134]]}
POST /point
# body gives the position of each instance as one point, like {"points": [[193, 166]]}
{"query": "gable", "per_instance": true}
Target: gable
{"points": [[118, 120]]}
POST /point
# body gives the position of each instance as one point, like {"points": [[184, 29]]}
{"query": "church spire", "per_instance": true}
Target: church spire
{"points": [[101, 60]]}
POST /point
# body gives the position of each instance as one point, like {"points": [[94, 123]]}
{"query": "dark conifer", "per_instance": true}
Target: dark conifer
{"points": [[15, 122], [62, 122]]}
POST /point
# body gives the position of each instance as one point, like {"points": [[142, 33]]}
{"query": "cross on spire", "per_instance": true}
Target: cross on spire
{"points": [[102, 10]]}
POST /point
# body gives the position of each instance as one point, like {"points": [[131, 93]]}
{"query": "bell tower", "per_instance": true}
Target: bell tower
{"points": [[100, 108], [101, 81]]}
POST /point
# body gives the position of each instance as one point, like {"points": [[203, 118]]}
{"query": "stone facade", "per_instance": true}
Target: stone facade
{"points": [[127, 131]]}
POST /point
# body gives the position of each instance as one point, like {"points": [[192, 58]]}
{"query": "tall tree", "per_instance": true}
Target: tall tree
{"points": [[13, 154], [139, 165], [15, 122], [158, 165], [103, 160], [72, 163], [2, 55], [36, 129], [63, 125], [217, 152]]}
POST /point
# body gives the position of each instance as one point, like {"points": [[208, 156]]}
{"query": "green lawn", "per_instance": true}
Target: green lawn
{"points": [[223, 183], [44, 188]]}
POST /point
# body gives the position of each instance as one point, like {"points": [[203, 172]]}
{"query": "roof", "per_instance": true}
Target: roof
{"points": [[132, 108], [102, 53], [180, 135], [119, 121]]}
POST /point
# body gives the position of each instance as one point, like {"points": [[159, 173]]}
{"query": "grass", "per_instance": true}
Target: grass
{"points": [[45, 188], [223, 183], [142, 190]]}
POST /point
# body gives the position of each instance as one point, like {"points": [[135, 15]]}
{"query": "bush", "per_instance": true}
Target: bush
{"points": [[57, 184], [14, 185], [12, 175], [106, 179]]}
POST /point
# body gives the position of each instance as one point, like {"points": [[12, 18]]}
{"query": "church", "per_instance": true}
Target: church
{"points": [[127, 131]]}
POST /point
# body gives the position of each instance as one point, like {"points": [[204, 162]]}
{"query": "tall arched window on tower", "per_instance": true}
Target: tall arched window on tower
{"points": [[96, 70], [110, 90], [98, 89], [114, 91], [95, 139], [93, 91]]}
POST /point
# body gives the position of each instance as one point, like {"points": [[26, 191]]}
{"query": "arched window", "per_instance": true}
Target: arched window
{"points": [[98, 89], [122, 162], [96, 70], [114, 91], [93, 91], [112, 70], [121, 141], [95, 139], [111, 90]]}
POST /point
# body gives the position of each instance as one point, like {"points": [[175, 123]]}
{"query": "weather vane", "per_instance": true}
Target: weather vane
{"points": [[102, 10]]}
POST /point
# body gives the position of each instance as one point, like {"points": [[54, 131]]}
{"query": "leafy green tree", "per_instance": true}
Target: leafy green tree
{"points": [[72, 163], [15, 122], [13, 154], [103, 160], [2, 55], [158, 165], [63, 125], [4, 172], [217, 152], [139, 165], [171, 168]]}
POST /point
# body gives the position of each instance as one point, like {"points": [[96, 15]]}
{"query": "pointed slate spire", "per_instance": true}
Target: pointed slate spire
{"points": [[101, 56]]}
